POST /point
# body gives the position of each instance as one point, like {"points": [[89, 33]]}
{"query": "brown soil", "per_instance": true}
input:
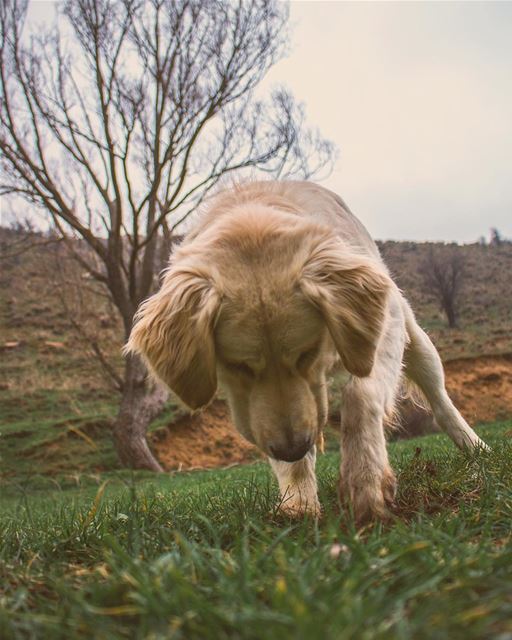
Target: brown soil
{"points": [[480, 387], [202, 440]]}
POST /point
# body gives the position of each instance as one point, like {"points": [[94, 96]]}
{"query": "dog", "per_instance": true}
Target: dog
{"points": [[277, 283]]}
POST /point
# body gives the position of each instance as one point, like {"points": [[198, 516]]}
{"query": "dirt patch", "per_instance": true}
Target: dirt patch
{"points": [[480, 387], [202, 441]]}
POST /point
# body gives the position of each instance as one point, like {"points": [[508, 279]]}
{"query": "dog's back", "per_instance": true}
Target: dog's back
{"points": [[298, 197]]}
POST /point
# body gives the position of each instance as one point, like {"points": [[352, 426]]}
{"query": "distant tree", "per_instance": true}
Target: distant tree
{"points": [[496, 239], [443, 272], [120, 118]]}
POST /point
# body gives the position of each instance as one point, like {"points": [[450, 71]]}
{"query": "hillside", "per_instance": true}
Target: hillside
{"points": [[486, 302], [54, 393]]}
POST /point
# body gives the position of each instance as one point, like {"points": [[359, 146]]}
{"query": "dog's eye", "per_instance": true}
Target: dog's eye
{"points": [[306, 358], [240, 367]]}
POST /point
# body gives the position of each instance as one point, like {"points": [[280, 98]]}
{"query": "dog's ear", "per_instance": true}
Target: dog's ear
{"points": [[173, 333], [351, 292]]}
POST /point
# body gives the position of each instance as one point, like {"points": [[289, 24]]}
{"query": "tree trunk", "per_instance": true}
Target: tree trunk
{"points": [[449, 309], [140, 404]]}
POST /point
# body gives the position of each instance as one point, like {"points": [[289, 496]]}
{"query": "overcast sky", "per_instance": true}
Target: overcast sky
{"points": [[418, 99]]}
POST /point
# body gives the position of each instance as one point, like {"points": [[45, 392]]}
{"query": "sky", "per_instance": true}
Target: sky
{"points": [[417, 96], [418, 99]]}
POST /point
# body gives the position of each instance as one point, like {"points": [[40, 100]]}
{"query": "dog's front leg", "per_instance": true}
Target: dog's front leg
{"points": [[297, 485], [366, 478]]}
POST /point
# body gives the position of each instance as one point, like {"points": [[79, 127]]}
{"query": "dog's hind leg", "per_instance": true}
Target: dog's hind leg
{"points": [[297, 485], [423, 366]]}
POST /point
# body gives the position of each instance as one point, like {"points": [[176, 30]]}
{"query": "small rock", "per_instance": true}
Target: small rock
{"points": [[338, 549]]}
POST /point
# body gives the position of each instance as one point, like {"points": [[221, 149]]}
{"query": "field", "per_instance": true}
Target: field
{"points": [[88, 550]]}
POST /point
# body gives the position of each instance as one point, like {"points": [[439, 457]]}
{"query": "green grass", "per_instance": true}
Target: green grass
{"points": [[53, 432], [205, 555], [48, 431]]}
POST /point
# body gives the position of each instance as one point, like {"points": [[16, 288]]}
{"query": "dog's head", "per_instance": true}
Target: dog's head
{"points": [[264, 307]]}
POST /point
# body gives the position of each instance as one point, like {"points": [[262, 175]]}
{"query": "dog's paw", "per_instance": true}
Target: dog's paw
{"points": [[369, 497], [296, 509]]}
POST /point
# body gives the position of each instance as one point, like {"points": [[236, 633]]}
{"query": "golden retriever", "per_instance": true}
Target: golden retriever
{"points": [[276, 283]]}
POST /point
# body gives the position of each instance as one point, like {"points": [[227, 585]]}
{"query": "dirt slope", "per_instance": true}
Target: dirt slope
{"points": [[202, 440], [481, 387]]}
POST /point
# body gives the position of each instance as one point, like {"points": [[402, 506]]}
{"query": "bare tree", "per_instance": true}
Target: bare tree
{"points": [[119, 119], [496, 239], [443, 273]]}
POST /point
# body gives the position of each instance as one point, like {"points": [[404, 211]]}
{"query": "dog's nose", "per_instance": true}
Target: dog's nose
{"points": [[293, 451]]}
